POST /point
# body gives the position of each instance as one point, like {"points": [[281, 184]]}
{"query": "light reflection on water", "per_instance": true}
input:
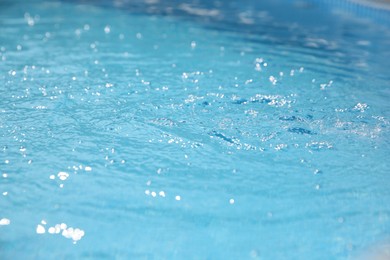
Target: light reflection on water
{"points": [[186, 133]]}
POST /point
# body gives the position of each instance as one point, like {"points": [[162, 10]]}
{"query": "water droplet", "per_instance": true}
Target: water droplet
{"points": [[5, 222], [63, 175], [40, 229], [52, 230], [317, 171], [273, 80], [193, 44]]}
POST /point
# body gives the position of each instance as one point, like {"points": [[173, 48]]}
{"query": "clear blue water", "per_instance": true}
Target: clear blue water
{"points": [[174, 130]]}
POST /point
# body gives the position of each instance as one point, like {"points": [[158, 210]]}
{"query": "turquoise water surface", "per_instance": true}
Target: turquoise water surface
{"points": [[182, 130]]}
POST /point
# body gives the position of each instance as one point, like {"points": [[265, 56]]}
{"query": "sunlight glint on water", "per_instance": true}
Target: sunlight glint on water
{"points": [[133, 132]]}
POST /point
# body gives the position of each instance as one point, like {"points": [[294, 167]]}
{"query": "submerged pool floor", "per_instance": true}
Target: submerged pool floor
{"points": [[131, 132]]}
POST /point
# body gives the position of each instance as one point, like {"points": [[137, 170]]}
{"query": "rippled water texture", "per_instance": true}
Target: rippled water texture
{"points": [[227, 130]]}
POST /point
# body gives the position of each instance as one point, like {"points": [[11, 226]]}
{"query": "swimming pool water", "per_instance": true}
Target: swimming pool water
{"points": [[180, 130]]}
